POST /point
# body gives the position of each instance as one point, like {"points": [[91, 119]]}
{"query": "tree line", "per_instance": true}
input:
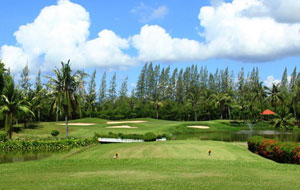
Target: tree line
{"points": [[189, 94]]}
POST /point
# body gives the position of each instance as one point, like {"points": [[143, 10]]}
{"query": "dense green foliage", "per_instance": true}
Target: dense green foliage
{"points": [[283, 152], [3, 137], [44, 144], [167, 165]]}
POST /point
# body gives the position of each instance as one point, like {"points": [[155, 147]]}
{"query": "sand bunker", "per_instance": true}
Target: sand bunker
{"points": [[77, 124], [199, 127], [121, 122], [121, 127]]}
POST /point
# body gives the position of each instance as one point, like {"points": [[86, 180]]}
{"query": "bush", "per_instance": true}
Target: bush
{"points": [[283, 152], [119, 117], [3, 137], [44, 145], [149, 137], [54, 133]]}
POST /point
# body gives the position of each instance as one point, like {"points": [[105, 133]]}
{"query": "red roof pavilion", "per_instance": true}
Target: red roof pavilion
{"points": [[267, 112]]}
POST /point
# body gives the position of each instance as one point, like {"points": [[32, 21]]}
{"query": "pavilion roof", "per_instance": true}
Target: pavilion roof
{"points": [[267, 112]]}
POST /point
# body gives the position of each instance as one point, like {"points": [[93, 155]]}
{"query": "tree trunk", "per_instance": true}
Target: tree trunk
{"points": [[7, 124], [156, 114], [10, 125], [67, 127], [229, 117], [196, 115], [221, 112], [56, 117], [25, 124], [39, 115]]}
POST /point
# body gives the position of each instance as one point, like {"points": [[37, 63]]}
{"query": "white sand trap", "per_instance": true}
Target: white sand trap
{"points": [[199, 127], [77, 124], [122, 122], [121, 127]]}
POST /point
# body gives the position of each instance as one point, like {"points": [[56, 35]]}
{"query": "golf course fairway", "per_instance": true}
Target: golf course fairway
{"points": [[154, 165]]}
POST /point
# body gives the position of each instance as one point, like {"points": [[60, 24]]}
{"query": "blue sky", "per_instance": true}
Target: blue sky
{"points": [[215, 34]]}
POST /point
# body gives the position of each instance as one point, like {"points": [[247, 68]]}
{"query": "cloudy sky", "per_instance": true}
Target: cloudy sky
{"points": [[122, 35]]}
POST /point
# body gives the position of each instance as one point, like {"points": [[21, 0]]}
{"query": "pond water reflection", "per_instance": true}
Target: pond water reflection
{"points": [[21, 156], [242, 135]]}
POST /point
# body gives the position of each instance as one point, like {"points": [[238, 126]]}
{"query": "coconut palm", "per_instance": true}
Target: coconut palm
{"points": [[194, 98], [65, 87], [260, 94], [157, 104], [284, 120], [222, 101], [295, 98], [275, 96], [2, 70], [38, 102], [12, 105]]}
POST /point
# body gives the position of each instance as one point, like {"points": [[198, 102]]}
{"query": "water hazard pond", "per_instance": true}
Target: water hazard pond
{"points": [[22, 157], [241, 136]]}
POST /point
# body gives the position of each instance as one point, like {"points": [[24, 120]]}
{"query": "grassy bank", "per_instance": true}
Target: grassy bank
{"points": [[157, 165]]}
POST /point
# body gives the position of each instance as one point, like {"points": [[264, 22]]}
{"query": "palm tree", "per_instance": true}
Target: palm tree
{"points": [[222, 101], [260, 94], [2, 70], [194, 98], [65, 87], [284, 120], [157, 104], [12, 105], [295, 98], [38, 102], [275, 96]]}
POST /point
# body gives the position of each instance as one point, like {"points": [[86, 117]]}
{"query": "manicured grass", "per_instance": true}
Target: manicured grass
{"points": [[155, 165], [158, 127]]}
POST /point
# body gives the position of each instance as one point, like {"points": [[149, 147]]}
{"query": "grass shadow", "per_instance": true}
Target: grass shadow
{"points": [[31, 126]]}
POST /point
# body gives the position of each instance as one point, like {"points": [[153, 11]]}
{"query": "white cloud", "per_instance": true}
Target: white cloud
{"points": [[233, 34], [159, 13], [59, 33], [271, 80], [286, 11], [155, 44], [148, 13], [230, 31], [243, 30], [133, 84], [15, 58]]}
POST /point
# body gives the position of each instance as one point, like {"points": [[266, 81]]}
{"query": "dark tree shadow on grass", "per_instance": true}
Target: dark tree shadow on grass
{"points": [[31, 126]]}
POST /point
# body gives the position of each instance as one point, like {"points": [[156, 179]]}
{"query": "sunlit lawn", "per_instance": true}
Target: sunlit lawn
{"points": [[156, 165]]}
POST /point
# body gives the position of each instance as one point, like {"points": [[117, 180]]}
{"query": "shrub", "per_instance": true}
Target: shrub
{"points": [[3, 137], [149, 137], [119, 117], [133, 115], [44, 145], [54, 133], [283, 152]]}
